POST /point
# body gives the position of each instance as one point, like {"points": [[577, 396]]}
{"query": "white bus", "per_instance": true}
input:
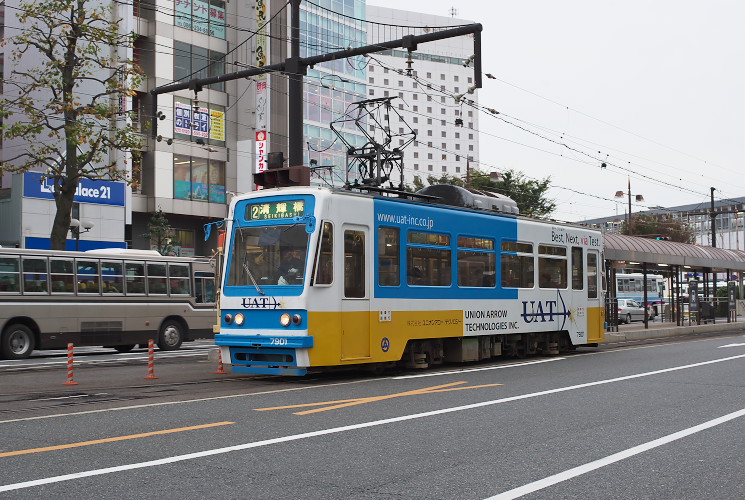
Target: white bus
{"points": [[631, 286], [113, 298]]}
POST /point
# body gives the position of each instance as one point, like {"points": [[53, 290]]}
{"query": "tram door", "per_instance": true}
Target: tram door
{"points": [[595, 310], [355, 304]]}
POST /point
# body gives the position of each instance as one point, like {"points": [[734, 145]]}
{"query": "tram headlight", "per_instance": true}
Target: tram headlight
{"points": [[285, 319], [239, 319], [228, 318], [297, 319]]}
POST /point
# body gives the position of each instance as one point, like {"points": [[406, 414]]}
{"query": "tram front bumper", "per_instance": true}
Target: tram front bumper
{"points": [[266, 354]]}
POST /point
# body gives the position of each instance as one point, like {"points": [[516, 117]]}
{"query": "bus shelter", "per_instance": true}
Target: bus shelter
{"points": [[676, 261]]}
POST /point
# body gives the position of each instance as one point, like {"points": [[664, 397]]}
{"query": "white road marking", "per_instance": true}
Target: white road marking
{"points": [[346, 428], [731, 345], [611, 459], [468, 370]]}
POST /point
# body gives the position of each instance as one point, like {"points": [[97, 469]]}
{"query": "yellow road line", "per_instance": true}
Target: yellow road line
{"points": [[110, 440], [343, 403]]}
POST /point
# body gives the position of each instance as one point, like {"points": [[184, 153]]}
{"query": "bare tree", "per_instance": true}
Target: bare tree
{"points": [[63, 99]]}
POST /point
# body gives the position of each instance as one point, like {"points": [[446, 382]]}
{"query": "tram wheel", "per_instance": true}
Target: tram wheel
{"points": [[17, 342], [171, 335]]}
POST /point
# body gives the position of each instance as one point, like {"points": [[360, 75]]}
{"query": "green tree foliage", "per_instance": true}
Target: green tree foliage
{"points": [[530, 195], [62, 97], [160, 234], [659, 225]]}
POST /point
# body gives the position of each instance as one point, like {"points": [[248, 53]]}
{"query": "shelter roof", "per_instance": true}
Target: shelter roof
{"points": [[620, 247]]}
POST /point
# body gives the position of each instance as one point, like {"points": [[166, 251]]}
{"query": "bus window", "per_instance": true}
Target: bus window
{"points": [[63, 275], [111, 277], [156, 279], [179, 279], [88, 276], [552, 266], [9, 274], [135, 276], [35, 275], [577, 269]]}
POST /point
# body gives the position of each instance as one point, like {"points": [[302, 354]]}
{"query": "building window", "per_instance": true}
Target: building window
{"points": [[457, 170], [442, 77], [457, 146], [429, 156], [416, 119], [371, 80], [444, 168], [429, 167], [202, 16], [203, 123], [429, 109], [455, 79], [444, 134], [429, 75], [192, 62], [416, 166], [385, 81], [198, 179]]}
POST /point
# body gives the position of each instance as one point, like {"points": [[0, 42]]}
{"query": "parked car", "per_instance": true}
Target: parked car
{"points": [[630, 310]]}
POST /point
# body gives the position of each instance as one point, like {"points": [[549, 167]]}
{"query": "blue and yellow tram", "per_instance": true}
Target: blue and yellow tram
{"points": [[316, 278]]}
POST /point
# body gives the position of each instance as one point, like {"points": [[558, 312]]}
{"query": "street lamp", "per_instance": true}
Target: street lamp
{"points": [[77, 227], [621, 194]]}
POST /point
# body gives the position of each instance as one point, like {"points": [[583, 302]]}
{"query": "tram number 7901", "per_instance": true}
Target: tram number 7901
{"points": [[277, 341]]}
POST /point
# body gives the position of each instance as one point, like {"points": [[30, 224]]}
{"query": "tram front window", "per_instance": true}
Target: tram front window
{"points": [[269, 255]]}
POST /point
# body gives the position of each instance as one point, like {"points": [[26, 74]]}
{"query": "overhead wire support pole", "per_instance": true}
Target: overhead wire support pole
{"points": [[297, 67]]}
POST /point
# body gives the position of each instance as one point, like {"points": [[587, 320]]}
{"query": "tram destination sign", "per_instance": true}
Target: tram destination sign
{"points": [[275, 210]]}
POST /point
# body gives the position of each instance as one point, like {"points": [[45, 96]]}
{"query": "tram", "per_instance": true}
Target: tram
{"points": [[316, 278]]}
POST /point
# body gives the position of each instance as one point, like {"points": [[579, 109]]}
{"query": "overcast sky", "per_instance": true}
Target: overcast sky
{"points": [[653, 88]]}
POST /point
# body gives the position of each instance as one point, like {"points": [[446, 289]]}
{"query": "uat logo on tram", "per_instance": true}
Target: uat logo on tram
{"points": [[542, 311]]}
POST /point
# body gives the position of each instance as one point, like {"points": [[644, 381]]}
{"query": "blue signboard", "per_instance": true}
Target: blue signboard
{"points": [[99, 192]]}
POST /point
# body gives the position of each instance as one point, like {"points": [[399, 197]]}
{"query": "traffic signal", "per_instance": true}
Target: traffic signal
{"points": [[285, 176]]}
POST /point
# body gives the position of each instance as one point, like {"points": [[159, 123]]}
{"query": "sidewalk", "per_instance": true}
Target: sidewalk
{"points": [[636, 331]]}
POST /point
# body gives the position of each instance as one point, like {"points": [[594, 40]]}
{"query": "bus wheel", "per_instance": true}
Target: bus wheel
{"points": [[124, 348], [171, 335], [17, 342]]}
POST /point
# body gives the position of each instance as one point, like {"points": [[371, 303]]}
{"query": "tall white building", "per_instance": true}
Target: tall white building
{"points": [[447, 131]]}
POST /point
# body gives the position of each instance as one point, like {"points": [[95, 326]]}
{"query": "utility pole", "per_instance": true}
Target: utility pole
{"points": [[296, 67], [713, 222]]}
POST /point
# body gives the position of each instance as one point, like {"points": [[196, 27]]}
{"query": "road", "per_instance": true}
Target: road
{"points": [[660, 420]]}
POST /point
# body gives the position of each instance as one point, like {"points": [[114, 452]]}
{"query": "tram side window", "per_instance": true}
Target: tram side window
{"points": [[552, 266], [135, 277], [354, 264], [63, 275], [325, 271], [88, 276], [156, 279], [429, 265], [477, 265], [111, 278], [577, 269], [9, 275], [592, 275], [518, 265], [389, 256], [35, 275], [179, 276]]}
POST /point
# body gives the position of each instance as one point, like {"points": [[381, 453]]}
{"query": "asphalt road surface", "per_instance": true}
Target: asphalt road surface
{"points": [[661, 420]]}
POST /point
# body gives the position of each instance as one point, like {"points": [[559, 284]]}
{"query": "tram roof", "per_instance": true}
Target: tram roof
{"points": [[620, 247]]}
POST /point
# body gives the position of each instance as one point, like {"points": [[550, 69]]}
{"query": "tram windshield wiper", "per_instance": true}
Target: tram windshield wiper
{"points": [[248, 271]]}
